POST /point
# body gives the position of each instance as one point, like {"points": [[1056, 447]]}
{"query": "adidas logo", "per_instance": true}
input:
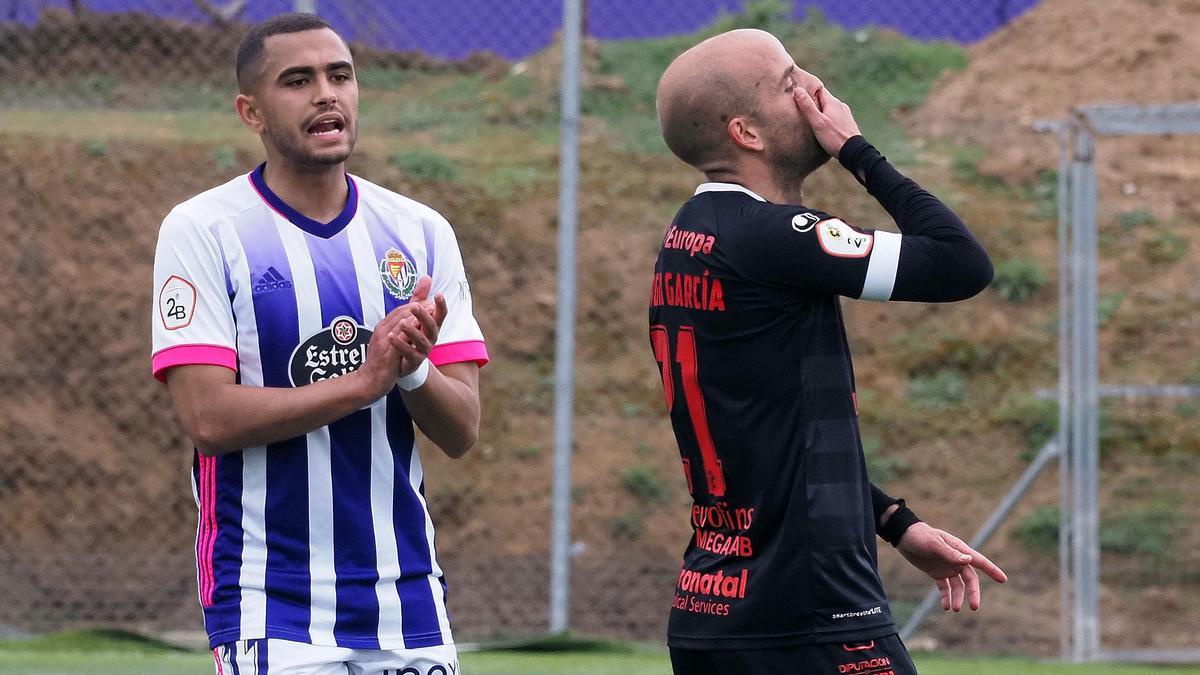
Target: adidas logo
{"points": [[271, 280]]}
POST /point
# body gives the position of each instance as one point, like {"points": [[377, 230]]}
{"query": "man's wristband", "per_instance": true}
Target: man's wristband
{"points": [[416, 378], [897, 523]]}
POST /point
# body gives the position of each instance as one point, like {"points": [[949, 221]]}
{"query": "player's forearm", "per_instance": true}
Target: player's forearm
{"points": [[882, 504], [232, 417], [941, 261], [446, 410]]}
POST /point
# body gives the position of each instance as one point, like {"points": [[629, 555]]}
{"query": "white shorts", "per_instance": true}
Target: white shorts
{"points": [[284, 657]]}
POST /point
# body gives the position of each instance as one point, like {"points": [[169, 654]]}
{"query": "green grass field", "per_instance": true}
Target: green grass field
{"points": [[102, 653]]}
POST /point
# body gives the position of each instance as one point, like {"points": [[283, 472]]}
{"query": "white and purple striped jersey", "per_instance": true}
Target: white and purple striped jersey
{"points": [[324, 538]]}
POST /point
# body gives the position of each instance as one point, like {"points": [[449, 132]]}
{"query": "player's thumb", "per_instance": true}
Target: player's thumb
{"points": [[952, 555]]}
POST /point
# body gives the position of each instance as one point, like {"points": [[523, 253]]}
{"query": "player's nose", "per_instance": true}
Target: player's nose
{"points": [[325, 96]]}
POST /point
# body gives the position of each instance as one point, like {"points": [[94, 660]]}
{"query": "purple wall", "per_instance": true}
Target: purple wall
{"points": [[517, 28]]}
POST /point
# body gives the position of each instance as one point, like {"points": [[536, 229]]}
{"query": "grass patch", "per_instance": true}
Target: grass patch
{"points": [[1107, 305], [1146, 530], [1137, 218], [627, 527], [510, 181], [1038, 531], [529, 453], [1042, 194], [1141, 530], [944, 389], [95, 148], [964, 164], [225, 158], [645, 485], [105, 640], [1164, 247], [880, 468], [424, 164], [1018, 279], [1037, 420]]}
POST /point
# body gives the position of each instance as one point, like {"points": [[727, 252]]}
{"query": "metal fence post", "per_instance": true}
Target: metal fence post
{"points": [[564, 361], [1065, 333], [1084, 402]]}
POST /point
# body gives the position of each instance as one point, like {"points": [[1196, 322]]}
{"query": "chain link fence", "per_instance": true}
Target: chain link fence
{"points": [[115, 110]]}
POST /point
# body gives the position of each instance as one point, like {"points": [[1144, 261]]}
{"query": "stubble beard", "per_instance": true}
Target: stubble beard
{"points": [[293, 150], [797, 154]]}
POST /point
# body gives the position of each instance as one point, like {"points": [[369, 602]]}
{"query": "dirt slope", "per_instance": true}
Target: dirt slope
{"points": [[1065, 53]]}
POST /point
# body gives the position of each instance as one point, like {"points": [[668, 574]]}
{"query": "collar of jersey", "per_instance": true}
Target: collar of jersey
{"points": [[726, 187], [315, 228]]}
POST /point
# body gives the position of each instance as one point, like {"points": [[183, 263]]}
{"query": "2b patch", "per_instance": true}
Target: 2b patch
{"points": [[176, 303], [840, 240]]}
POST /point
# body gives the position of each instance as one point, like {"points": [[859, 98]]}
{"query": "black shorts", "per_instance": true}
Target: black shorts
{"points": [[881, 656]]}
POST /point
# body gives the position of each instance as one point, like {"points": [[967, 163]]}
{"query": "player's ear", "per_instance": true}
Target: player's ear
{"points": [[744, 134], [247, 109]]}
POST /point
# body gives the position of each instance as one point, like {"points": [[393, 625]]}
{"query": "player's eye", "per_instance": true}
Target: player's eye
{"points": [[296, 82]]}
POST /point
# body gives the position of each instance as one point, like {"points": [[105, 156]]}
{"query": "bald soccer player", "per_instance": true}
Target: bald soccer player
{"points": [[781, 573]]}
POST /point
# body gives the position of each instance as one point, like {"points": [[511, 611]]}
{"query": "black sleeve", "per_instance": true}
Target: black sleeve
{"points": [[940, 261], [880, 501], [899, 522]]}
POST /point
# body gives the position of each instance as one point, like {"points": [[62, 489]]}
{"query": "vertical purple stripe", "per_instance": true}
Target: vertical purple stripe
{"points": [[337, 282], [355, 560], [420, 621], [231, 654], [427, 230], [383, 238], [215, 231], [286, 523], [262, 666], [225, 612], [355, 557]]}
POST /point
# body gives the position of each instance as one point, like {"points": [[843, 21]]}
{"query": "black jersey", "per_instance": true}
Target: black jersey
{"points": [[746, 326]]}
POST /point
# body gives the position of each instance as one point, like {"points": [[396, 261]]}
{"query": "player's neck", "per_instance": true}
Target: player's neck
{"points": [[761, 183], [319, 194]]}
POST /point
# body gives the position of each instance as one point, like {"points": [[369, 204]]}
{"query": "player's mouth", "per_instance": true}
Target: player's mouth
{"points": [[328, 126]]}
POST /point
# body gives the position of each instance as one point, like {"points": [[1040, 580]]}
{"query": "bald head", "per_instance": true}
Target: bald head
{"points": [[708, 85]]}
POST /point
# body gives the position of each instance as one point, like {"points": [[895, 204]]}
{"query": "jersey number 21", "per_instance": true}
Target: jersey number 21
{"points": [[685, 356]]}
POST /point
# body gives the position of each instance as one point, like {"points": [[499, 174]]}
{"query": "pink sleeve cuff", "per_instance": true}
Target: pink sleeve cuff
{"points": [[458, 352], [192, 355]]}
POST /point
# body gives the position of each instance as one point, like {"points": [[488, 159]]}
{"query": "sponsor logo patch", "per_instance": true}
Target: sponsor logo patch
{"points": [[176, 303], [399, 274], [803, 222], [271, 280], [338, 350], [840, 240]]}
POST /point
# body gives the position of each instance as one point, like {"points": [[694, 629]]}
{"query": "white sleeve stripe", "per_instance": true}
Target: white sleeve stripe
{"points": [[881, 269]]}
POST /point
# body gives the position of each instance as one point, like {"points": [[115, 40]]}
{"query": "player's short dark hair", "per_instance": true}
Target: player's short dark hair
{"points": [[695, 127], [250, 51]]}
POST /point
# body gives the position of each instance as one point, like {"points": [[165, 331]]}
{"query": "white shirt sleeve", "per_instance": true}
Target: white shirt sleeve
{"points": [[460, 338], [192, 320]]}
